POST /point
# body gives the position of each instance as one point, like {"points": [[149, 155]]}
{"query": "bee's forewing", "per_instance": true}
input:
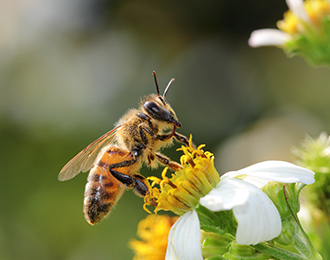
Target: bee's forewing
{"points": [[85, 160]]}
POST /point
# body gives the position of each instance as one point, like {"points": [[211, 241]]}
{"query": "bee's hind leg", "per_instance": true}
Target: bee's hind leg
{"points": [[123, 178], [136, 181], [140, 186]]}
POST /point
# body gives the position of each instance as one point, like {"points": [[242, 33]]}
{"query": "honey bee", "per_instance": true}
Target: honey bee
{"points": [[116, 157]]}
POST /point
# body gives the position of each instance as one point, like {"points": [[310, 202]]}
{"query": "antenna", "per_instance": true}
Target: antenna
{"points": [[167, 87], [154, 73], [157, 87]]}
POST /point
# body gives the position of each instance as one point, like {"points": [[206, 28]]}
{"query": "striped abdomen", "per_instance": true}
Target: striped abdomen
{"points": [[102, 189]]}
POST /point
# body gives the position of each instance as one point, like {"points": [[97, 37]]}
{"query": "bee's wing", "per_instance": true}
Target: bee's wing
{"points": [[84, 160]]}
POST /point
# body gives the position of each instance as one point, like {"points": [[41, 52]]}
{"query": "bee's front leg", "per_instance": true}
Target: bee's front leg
{"points": [[181, 138], [165, 137]]}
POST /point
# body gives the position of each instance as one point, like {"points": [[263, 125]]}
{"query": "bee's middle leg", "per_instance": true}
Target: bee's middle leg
{"points": [[183, 139], [167, 162]]}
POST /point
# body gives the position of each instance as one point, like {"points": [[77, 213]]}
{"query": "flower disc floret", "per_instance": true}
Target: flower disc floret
{"points": [[182, 191], [153, 232]]}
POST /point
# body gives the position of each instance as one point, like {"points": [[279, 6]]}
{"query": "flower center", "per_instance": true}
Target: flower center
{"points": [[182, 191]]}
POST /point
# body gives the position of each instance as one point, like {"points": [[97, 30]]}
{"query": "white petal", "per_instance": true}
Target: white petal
{"points": [[256, 181], [266, 37], [297, 7], [258, 219], [184, 238], [225, 197], [170, 251], [275, 171]]}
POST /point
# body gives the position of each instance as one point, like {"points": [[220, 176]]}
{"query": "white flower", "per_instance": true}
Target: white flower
{"points": [[266, 37], [257, 217]]}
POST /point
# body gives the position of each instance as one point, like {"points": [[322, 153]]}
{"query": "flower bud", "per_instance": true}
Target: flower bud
{"points": [[214, 244], [238, 252], [285, 197], [287, 236]]}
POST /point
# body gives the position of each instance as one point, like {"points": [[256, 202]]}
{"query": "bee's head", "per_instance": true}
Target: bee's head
{"points": [[157, 107]]}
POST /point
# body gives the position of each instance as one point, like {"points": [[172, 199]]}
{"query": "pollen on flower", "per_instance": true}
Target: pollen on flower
{"points": [[153, 232], [316, 11], [182, 191], [289, 24]]}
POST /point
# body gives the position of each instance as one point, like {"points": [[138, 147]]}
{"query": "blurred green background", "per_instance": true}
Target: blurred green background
{"points": [[70, 69]]}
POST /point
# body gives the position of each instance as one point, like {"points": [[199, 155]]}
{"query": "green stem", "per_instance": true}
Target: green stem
{"points": [[303, 245]]}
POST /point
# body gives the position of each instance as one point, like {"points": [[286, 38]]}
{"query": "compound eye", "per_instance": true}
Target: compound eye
{"points": [[152, 107]]}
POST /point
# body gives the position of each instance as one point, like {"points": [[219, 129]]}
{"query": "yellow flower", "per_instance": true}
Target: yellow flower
{"points": [[182, 191], [153, 232]]}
